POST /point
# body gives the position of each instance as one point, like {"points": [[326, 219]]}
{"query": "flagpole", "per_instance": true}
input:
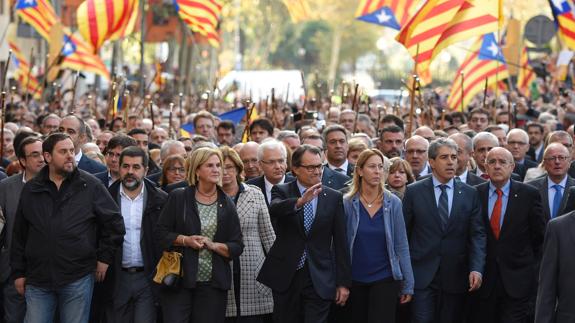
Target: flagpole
{"points": [[181, 109], [462, 89], [142, 49], [2, 110], [170, 125], [73, 103], [485, 91], [5, 71], [27, 100], [412, 93], [353, 107]]}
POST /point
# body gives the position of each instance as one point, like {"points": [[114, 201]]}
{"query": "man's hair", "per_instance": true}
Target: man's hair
{"points": [[392, 129], [271, 144], [493, 128], [298, 154], [137, 131], [264, 124], [333, 128], [478, 111], [134, 151], [18, 139], [434, 146], [315, 137], [227, 125], [535, 125], [82, 128], [21, 147], [458, 115], [393, 118], [167, 145], [203, 114], [521, 132], [51, 141], [468, 145], [120, 141], [284, 134], [484, 135]]}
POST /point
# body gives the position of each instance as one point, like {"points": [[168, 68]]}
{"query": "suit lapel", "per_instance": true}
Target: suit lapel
{"points": [[483, 191], [544, 191], [299, 216], [429, 199], [456, 203], [512, 201], [570, 182], [321, 200]]}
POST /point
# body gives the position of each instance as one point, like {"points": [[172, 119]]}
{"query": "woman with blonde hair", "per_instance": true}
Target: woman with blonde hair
{"points": [[248, 300], [377, 240], [201, 221]]}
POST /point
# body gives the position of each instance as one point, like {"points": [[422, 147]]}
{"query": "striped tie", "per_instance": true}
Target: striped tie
{"points": [[443, 206]]}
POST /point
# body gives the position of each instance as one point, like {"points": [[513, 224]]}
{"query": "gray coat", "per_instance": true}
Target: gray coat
{"points": [[10, 189], [259, 236]]}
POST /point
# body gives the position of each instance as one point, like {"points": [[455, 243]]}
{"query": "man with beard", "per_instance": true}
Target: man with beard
{"points": [[391, 141], [131, 296], [76, 128], [335, 138], [66, 231]]}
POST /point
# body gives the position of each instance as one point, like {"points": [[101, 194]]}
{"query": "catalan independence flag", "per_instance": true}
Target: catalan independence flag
{"points": [[299, 10], [564, 20], [23, 73], [387, 13], [202, 17], [39, 14], [484, 61], [440, 23], [526, 74]]}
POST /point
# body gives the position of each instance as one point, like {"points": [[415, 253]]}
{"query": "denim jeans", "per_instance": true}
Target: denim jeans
{"points": [[72, 300]]}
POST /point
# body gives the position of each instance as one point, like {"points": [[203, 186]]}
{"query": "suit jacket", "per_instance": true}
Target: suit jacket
{"points": [[571, 170], [541, 184], [103, 177], [521, 169], [473, 179], [327, 254], [556, 293], [156, 177], [333, 179], [531, 153], [260, 182], [10, 189], [451, 252], [514, 256], [91, 166]]}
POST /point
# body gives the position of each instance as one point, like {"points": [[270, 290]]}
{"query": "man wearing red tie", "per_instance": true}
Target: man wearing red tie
{"points": [[513, 216]]}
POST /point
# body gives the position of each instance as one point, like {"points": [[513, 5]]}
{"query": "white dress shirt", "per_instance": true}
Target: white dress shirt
{"points": [[78, 157], [269, 187], [343, 167], [132, 212]]}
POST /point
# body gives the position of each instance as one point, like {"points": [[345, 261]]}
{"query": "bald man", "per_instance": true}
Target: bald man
{"points": [[416, 155], [512, 214], [249, 156]]}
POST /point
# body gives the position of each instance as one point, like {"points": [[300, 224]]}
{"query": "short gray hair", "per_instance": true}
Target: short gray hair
{"points": [[438, 143], [167, 145], [270, 144], [484, 135], [468, 142], [284, 134], [363, 137]]}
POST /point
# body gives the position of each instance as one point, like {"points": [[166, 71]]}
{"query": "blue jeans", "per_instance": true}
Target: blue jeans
{"points": [[73, 301]]}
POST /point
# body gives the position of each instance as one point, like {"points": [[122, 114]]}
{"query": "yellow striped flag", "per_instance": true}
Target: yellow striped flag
{"points": [[299, 10], [387, 13], [526, 74], [485, 61], [202, 17], [23, 72], [39, 14], [564, 20], [440, 23]]}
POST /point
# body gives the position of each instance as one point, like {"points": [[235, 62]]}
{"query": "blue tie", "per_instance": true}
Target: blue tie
{"points": [[556, 200], [307, 221], [443, 206]]}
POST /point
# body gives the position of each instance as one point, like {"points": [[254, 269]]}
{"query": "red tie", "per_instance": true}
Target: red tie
{"points": [[484, 176], [496, 215]]}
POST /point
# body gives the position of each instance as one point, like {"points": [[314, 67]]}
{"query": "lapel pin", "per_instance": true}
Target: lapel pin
{"points": [[515, 195]]}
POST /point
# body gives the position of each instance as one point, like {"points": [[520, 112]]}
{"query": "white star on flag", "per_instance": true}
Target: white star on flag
{"points": [[493, 49], [382, 17], [558, 4], [68, 48]]}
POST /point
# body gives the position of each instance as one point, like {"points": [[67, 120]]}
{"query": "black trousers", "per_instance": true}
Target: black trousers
{"points": [[370, 303], [300, 303], [14, 304], [203, 304], [434, 305]]}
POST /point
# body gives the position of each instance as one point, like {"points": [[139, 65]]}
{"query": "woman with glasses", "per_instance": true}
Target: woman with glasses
{"points": [[201, 221], [380, 261], [173, 171], [248, 300]]}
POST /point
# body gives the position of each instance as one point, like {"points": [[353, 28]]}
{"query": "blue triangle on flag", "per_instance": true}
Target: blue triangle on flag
{"points": [[383, 16], [490, 50], [560, 7], [234, 116], [25, 4], [69, 47]]}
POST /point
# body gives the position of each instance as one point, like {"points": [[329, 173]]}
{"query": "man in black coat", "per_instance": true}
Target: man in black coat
{"points": [[513, 215], [309, 266], [129, 282], [56, 251], [446, 238]]}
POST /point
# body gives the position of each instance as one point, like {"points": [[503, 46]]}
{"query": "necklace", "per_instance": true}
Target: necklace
{"points": [[206, 195], [370, 204]]}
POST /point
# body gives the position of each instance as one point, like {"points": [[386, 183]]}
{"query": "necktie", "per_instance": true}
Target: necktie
{"points": [[339, 170], [496, 215], [457, 178], [556, 200], [307, 221], [484, 176], [443, 206]]}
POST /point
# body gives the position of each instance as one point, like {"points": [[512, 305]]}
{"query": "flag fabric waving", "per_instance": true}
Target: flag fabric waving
{"points": [[387, 13], [440, 23], [564, 20], [39, 14], [526, 74], [202, 17], [485, 61], [101, 20], [24, 73], [299, 10]]}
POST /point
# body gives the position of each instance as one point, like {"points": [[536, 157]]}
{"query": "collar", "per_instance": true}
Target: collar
{"points": [[436, 182], [343, 166], [505, 189], [563, 182], [24, 176], [463, 176], [300, 187], [137, 198], [78, 157], [269, 185], [479, 172]]}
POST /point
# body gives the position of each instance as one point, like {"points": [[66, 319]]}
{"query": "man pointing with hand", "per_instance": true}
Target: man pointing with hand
{"points": [[299, 267]]}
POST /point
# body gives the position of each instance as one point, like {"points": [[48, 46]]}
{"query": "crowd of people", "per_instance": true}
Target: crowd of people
{"points": [[364, 215]]}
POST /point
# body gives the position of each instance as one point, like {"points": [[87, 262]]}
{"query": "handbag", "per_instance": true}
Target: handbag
{"points": [[169, 270]]}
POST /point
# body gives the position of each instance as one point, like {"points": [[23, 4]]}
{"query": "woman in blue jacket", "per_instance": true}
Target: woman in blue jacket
{"points": [[381, 266]]}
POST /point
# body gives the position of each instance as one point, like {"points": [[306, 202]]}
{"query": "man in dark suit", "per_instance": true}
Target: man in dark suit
{"points": [[464, 150], [512, 213], [309, 266], [446, 238], [554, 186], [330, 178], [536, 145], [335, 140], [272, 157], [518, 144], [556, 292], [112, 154], [75, 127], [483, 142]]}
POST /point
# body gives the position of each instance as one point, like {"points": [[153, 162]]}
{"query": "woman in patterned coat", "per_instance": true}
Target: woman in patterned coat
{"points": [[252, 301]]}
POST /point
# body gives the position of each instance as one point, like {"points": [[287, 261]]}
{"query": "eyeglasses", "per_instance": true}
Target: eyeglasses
{"points": [[415, 151], [501, 162], [249, 161], [34, 155], [556, 158], [177, 169], [312, 168], [274, 162]]}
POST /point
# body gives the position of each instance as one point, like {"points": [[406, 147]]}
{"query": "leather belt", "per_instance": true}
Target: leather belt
{"points": [[133, 269]]}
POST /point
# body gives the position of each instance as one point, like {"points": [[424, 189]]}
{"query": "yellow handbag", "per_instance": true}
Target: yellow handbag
{"points": [[169, 269]]}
